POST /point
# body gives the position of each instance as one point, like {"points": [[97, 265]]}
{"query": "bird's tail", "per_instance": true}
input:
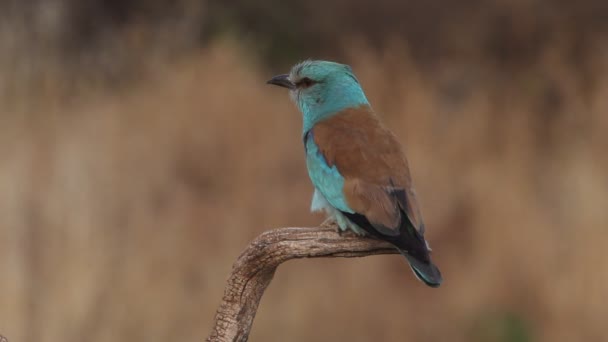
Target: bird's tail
{"points": [[410, 243], [425, 271]]}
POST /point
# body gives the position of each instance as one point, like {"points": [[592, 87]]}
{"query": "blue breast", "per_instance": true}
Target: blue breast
{"points": [[327, 180]]}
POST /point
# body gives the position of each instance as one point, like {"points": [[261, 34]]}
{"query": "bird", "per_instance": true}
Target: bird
{"points": [[358, 167]]}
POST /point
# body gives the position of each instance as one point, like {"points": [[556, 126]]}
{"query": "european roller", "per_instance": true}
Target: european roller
{"points": [[357, 166]]}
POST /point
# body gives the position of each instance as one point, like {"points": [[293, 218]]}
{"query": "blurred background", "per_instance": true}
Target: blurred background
{"points": [[141, 150]]}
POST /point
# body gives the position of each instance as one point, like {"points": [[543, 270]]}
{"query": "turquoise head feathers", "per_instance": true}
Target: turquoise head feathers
{"points": [[321, 89]]}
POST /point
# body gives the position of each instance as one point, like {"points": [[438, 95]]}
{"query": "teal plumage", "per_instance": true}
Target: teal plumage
{"points": [[325, 177], [338, 79], [359, 171]]}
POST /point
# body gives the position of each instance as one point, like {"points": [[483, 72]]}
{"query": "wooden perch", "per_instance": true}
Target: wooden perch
{"points": [[255, 267]]}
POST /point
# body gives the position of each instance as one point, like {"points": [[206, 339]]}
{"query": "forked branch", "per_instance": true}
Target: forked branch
{"points": [[255, 267]]}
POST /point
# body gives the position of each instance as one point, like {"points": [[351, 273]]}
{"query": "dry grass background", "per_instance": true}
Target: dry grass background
{"points": [[122, 210]]}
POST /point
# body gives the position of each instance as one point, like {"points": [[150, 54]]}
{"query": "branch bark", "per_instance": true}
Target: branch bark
{"points": [[255, 267]]}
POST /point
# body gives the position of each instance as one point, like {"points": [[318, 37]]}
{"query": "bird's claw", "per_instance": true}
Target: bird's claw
{"points": [[330, 222]]}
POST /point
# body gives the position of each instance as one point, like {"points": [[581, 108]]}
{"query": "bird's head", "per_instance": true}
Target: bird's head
{"points": [[321, 89]]}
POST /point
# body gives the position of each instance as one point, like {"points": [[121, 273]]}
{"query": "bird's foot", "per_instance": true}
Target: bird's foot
{"points": [[346, 226], [342, 225], [328, 223], [337, 222], [358, 231]]}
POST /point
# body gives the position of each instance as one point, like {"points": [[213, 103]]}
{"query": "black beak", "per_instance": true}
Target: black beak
{"points": [[282, 81]]}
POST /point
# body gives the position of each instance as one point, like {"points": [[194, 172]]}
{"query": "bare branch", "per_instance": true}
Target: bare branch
{"points": [[255, 267]]}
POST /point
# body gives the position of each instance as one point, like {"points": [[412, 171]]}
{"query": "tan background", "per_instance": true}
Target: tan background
{"points": [[138, 158]]}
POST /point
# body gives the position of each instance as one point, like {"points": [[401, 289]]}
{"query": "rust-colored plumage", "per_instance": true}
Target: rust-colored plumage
{"points": [[377, 181]]}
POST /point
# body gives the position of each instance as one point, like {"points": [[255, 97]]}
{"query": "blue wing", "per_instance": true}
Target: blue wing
{"points": [[326, 180]]}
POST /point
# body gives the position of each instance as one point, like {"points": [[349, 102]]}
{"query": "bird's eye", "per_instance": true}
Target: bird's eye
{"points": [[305, 83]]}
